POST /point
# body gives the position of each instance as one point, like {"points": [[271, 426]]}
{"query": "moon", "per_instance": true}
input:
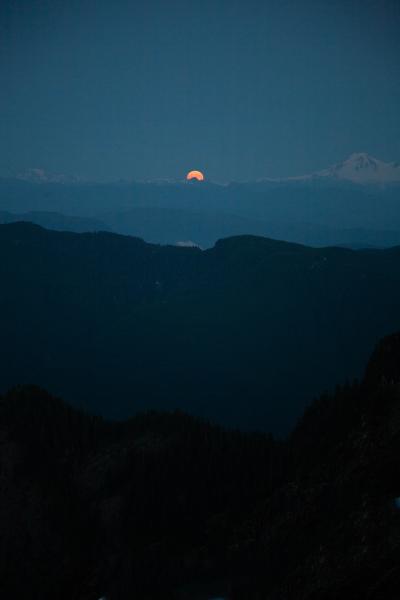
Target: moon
{"points": [[195, 175]]}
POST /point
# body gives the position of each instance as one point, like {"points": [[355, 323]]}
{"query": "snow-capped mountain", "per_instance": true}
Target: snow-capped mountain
{"points": [[363, 168], [42, 176], [360, 168]]}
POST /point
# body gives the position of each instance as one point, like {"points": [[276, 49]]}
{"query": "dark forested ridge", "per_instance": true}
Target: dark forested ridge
{"points": [[164, 503], [140, 507], [244, 333]]}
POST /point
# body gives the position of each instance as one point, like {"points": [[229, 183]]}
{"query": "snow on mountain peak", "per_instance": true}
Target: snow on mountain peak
{"points": [[36, 175], [362, 168], [359, 168]]}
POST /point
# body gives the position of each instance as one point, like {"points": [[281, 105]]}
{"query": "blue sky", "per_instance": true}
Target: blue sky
{"points": [[240, 90]]}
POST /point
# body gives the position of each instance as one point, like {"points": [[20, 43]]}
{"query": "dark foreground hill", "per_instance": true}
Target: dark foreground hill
{"points": [[167, 506], [244, 333]]}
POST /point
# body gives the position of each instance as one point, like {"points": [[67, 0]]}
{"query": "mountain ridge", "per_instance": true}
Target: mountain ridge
{"points": [[164, 326], [243, 516], [359, 168]]}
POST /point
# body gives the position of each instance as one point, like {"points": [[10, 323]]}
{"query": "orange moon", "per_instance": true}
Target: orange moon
{"points": [[195, 175]]}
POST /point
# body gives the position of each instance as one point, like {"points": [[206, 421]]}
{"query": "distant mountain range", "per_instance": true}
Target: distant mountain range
{"points": [[245, 333], [36, 175], [355, 203], [358, 168]]}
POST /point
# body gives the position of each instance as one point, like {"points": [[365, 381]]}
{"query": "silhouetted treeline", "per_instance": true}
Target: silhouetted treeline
{"points": [[134, 506], [142, 508]]}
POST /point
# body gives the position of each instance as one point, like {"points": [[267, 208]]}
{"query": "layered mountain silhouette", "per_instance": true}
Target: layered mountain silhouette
{"points": [[354, 203], [167, 506], [57, 221], [244, 333]]}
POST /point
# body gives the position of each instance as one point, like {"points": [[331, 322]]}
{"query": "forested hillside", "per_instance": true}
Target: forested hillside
{"points": [[244, 333], [167, 506]]}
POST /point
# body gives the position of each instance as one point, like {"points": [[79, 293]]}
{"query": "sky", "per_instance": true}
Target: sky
{"points": [[108, 90]]}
